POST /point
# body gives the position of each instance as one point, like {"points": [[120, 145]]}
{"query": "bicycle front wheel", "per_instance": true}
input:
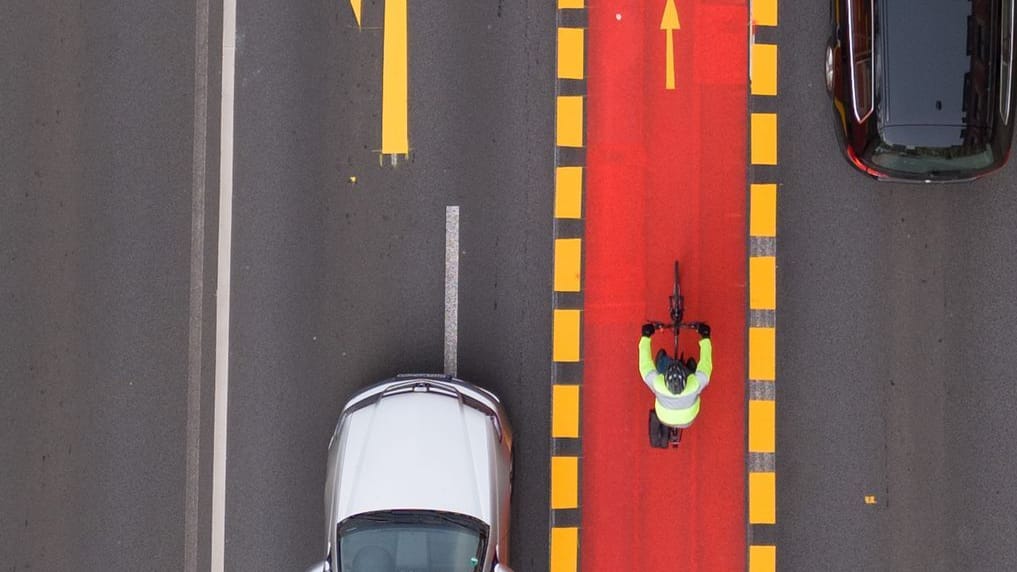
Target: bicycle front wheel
{"points": [[677, 307]]}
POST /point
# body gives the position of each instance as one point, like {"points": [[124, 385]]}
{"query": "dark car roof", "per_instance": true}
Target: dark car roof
{"points": [[923, 45]]}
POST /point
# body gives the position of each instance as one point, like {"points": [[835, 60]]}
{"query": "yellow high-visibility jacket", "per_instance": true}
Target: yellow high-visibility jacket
{"points": [[677, 410]]}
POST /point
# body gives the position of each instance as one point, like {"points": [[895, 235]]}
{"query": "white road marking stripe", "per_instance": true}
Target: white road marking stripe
{"points": [[451, 289], [222, 315], [197, 292]]}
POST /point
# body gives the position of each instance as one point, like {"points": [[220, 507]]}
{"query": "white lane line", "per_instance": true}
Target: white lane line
{"points": [[222, 314], [451, 289], [197, 292]]}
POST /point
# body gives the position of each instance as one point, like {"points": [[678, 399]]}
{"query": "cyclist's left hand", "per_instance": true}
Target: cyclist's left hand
{"points": [[704, 329], [648, 329]]}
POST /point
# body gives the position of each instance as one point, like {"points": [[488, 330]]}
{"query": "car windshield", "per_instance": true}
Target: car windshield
{"points": [[932, 161], [387, 541]]}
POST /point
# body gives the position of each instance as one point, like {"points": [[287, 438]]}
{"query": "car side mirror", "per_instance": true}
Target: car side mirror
{"points": [[499, 567], [322, 566]]}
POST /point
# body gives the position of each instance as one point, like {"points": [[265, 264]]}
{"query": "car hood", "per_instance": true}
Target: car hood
{"points": [[416, 450]]}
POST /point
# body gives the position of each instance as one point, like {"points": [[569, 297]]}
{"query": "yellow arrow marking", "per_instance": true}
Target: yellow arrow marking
{"points": [[355, 4], [669, 23], [394, 95]]}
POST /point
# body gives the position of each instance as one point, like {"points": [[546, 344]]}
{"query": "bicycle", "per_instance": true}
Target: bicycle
{"points": [[676, 311]]}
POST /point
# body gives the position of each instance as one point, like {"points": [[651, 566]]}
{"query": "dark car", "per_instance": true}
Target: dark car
{"points": [[923, 89]]}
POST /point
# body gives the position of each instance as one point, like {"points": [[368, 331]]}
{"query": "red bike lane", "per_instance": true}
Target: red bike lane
{"points": [[665, 180]]}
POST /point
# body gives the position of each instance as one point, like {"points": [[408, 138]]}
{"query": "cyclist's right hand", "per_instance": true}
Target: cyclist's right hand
{"points": [[704, 329], [648, 329]]}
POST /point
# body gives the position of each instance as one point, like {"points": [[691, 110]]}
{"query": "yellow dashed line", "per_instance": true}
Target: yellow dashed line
{"points": [[764, 12], [566, 336], [762, 498], [762, 344], [762, 558], [763, 283], [568, 255], [570, 121], [762, 414], [568, 192], [763, 210], [570, 53], [565, 411], [564, 482], [762, 431], [764, 69], [567, 322], [564, 549], [764, 138]]}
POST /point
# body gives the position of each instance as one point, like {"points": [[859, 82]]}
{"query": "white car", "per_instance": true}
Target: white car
{"points": [[419, 479]]}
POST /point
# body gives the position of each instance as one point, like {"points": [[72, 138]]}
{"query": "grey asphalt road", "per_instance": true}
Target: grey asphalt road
{"points": [[337, 284], [895, 360], [96, 143]]}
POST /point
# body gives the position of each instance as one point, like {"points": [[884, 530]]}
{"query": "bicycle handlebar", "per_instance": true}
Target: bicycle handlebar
{"points": [[670, 326]]}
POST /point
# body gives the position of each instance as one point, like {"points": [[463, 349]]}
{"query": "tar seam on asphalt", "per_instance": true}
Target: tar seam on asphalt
{"points": [[197, 290]]}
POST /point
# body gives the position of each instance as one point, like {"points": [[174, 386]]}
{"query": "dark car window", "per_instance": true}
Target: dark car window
{"points": [[387, 541], [931, 161], [860, 33], [1006, 60]]}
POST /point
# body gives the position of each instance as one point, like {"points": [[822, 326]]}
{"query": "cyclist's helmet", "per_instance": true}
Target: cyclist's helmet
{"points": [[675, 376]]}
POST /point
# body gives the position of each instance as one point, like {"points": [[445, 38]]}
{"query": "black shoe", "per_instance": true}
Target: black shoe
{"points": [[691, 363], [660, 354], [675, 437]]}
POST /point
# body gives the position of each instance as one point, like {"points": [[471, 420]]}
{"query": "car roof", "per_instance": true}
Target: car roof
{"points": [[923, 51]]}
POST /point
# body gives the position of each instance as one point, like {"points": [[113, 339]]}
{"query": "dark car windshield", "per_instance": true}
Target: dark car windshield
{"points": [[932, 161], [386, 541]]}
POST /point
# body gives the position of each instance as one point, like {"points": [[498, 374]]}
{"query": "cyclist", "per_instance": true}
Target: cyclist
{"points": [[676, 384]]}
